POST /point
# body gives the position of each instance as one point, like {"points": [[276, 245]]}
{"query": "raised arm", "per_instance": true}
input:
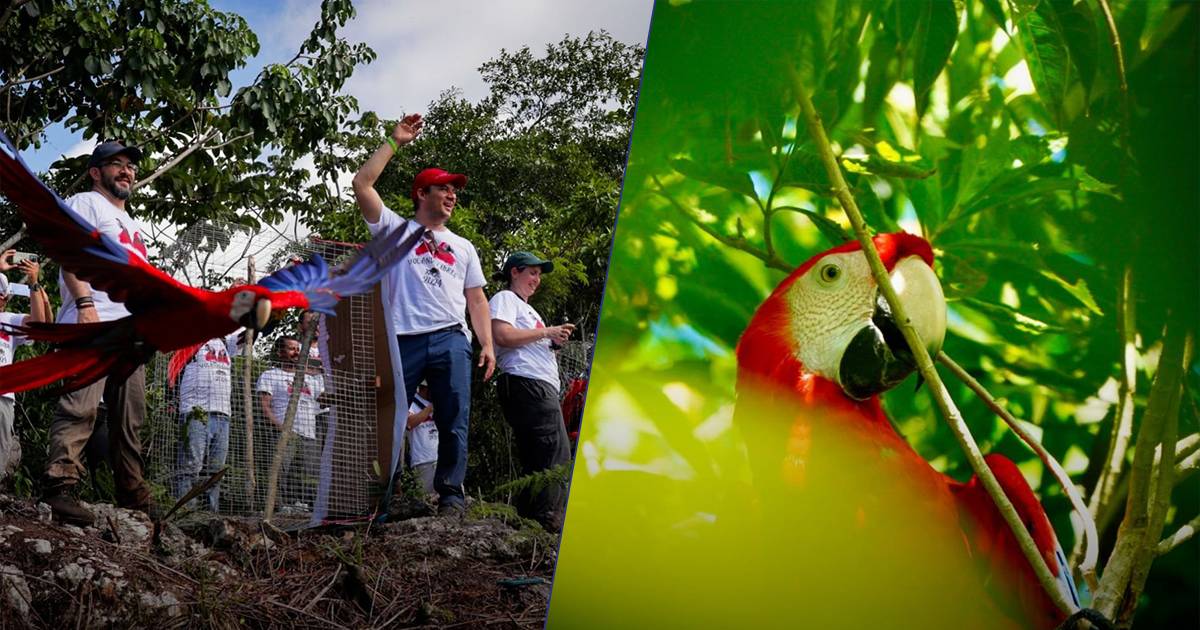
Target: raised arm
{"points": [[369, 201], [39, 302]]}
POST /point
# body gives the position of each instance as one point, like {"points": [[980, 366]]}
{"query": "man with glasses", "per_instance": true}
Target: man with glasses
{"points": [[426, 297], [113, 172]]}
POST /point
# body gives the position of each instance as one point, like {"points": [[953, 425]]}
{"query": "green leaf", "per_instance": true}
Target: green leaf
{"points": [[828, 228], [1008, 316], [1087, 183], [717, 175], [1021, 8], [1079, 30], [1044, 46], [804, 169], [936, 32], [996, 11], [881, 74], [1079, 291]]}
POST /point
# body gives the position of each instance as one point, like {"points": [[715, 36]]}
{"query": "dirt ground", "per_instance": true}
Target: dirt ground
{"points": [[483, 569]]}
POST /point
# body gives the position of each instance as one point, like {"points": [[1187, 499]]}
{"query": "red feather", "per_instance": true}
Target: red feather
{"points": [[179, 360]]}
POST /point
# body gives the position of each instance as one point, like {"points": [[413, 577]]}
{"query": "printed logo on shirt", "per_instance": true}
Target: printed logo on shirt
{"points": [[5, 336], [432, 277], [134, 243], [444, 252], [218, 356], [303, 392]]}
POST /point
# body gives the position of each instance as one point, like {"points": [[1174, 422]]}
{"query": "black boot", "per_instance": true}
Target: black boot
{"points": [[66, 507]]}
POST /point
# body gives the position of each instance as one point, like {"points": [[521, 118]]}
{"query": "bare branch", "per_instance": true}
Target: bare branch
{"points": [[1149, 486], [1105, 493], [1088, 567], [177, 159], [1180, 536], [12, 84], [229, 141]]}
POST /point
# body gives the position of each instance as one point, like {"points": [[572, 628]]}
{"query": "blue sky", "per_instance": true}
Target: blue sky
{"points": [[424, 47]]}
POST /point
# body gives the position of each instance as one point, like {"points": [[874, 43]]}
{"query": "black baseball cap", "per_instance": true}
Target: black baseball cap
{"points": [[105, 150], [523, 259]]}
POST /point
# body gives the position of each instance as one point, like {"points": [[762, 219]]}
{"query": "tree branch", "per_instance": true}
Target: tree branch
{"points": [[1138, 537], [11, 84], [1105, 493], [177, 159], [924, 362], [1180, 536], [1088, 567], [1187, 462], [229, 141]]}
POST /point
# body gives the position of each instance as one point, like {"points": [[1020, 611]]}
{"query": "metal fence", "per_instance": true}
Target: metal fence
{"points": [[331, 467]]}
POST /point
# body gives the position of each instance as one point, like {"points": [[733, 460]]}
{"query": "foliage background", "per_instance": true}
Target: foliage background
{"points": [[998, 130]]}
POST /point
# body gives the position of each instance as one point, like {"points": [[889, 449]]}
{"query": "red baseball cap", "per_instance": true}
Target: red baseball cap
{"points": [[436, 176]]}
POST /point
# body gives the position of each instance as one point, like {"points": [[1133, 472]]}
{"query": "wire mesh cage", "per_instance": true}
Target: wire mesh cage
{"points": [[199, 423]]}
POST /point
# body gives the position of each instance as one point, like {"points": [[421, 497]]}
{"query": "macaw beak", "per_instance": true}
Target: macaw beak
{"points": [[878, 358], [262, 313]]}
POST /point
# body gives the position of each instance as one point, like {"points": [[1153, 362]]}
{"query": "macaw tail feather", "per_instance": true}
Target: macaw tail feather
{"points": [[76, 367], [83, 354], [179, 360], [69, 334]]}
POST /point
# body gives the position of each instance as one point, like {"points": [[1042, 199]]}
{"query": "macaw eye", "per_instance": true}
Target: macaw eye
{"points": [[829, 274]]}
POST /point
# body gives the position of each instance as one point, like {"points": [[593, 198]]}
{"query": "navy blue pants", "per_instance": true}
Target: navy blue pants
{"points": [[443, 359]]}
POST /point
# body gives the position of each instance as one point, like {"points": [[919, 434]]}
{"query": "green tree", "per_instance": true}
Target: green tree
{"points": [[155, 73]]}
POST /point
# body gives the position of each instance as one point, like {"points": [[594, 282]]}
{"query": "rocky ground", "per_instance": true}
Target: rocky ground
{"points": [[483, 569]]}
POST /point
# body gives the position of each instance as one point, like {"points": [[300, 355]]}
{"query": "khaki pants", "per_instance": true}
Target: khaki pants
{"points": [[10, 446], [73, 423]]}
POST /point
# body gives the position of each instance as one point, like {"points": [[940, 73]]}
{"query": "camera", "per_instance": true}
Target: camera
{"points": [[21, 256]]}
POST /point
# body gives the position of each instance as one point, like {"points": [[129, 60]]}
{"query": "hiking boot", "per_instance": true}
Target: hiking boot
{"points": [[67, 508], [452, 509]]}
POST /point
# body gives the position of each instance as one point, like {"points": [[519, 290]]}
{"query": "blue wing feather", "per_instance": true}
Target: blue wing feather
{"points": [[359, 275]]}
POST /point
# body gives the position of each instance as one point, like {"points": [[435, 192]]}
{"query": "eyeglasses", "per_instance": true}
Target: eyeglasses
{"points": [[122, 165]]}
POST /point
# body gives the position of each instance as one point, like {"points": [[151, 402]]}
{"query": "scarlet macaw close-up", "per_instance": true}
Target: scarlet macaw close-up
{"points": [[165, 314], [821, 350]]}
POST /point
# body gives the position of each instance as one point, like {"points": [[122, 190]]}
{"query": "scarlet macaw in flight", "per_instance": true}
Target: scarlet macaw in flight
{"points": [[823, 347], [165, 314]]}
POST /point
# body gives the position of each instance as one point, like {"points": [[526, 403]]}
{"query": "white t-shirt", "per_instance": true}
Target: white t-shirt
{"points": [[423, 438], [9, 341], [205, 380], [278, 384], [425, 291], [532, 360], [116, 223]]}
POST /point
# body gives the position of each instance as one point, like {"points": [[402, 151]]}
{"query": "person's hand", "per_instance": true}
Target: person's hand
{"points": [[407, 129], [308, 321], [487, 360], [31, 269], [87, 315], [6, 259], [560, 334]]}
